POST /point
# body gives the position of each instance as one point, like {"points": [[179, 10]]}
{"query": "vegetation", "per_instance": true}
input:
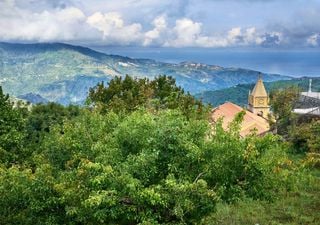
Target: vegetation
{"points": [[63, 73], [239, 93], [143, 152], [282, 103], [128, 94], [12, 131]]}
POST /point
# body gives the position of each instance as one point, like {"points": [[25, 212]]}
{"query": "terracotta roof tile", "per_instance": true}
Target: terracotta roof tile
{"points": [[250, 122]]}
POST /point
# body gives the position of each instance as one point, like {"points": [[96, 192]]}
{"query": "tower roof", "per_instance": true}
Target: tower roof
{"points": [[259, 89]]}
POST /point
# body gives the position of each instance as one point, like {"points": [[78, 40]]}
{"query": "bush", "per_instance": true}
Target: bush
{"points": [[148, 168]]}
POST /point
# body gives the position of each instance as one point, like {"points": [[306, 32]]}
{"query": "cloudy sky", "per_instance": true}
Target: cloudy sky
{"points": [[164, 23]]}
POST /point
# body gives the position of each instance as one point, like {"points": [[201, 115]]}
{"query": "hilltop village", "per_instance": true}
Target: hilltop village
{"points": [[257, 114]]}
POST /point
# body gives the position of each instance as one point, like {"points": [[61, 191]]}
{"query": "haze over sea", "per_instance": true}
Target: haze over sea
{"points": [[296, 63]]}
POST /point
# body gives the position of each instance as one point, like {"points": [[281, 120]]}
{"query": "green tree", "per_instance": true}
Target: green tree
{"points": [[305, 137], [43, 116], [12, 131], [282, 102], [129, 94], [121, 95]]}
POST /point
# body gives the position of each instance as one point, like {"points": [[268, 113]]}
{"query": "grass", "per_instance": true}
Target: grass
{"points": [[298, 207]]}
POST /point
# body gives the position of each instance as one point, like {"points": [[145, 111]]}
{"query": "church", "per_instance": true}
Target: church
{"points": [[258, 100], [256, 113]]}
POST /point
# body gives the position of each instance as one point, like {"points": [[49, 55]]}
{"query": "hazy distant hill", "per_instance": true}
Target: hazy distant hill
{"points": [[64, 73], [239, 93]]}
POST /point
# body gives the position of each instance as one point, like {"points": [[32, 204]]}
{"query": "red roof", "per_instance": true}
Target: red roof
{"points": [[250, 122]]}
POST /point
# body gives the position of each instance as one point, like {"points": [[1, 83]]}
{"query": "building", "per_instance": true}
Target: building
{"points": [[309, 103], [251, 122], [258, 100], [255, 116]]}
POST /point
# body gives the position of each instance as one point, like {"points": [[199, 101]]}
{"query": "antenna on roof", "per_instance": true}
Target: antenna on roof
{"points": [[310, 83]]}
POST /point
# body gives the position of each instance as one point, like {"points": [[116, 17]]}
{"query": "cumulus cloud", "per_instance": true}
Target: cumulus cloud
{"points": [[189, 33], [313, 40], [180, 23], [59, 24], [114, 28], [155, 36], [72, 24], [186, 33], [44, 26]]}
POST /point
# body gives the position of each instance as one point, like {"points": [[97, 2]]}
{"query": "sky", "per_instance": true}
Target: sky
{"points": [[164, 23]]}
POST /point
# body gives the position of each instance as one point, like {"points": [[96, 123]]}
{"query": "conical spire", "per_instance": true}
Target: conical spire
{"points": [[259, 89]]}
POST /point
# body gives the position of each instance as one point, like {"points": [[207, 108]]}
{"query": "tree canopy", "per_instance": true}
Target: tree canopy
{"points": [[129, 94], [142, 153]]}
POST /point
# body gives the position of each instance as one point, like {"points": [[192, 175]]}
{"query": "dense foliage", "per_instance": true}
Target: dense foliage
{"points": [[12, 131], [123, 95], [282, 104], [135, 157], [42, 117]]}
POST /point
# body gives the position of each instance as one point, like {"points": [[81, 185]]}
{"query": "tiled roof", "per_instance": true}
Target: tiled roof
{"points": [[250, 122], [311, 94]]}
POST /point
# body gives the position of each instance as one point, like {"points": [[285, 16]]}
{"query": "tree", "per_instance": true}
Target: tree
{"points": [[129, 94], [121, 95], [43, 116], [305, 137], [156, 168], [150, 165], [282, 102], [12, 131]]}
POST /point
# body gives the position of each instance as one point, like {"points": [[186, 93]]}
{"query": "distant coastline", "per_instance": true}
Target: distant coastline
{"points": [[297, 63]]}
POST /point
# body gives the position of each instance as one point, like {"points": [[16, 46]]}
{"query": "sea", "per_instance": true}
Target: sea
{"points": [[291, 62]]}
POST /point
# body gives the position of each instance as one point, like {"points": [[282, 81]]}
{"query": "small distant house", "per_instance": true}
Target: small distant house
{"points": [[309, 103], [255, 118]]}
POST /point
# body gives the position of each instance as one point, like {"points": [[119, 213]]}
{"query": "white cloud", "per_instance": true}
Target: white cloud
{"points": [[189, 34], [114, 29], [313, 40], [250, 36], [144, 23], [186, 33], [60, 24], [155, 36]]}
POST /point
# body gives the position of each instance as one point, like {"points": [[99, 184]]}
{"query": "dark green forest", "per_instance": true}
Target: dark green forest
{"points": [[144, 152]]}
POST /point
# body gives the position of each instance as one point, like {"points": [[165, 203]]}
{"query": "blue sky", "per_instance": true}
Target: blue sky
{"points": [[165, 23]]}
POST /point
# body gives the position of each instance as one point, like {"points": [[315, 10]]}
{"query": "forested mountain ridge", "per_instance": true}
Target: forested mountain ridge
{"points": [[239, 93], [63, 73]]}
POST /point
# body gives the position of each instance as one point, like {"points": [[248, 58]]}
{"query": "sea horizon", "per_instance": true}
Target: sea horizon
{"points": [[295, 63]]}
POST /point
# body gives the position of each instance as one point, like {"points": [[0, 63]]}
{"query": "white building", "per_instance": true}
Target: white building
{"points": [[312, 100]]}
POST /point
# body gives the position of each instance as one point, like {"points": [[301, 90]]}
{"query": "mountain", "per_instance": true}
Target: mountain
{"points": [[239, 93], [64, 73], [33, 98]]}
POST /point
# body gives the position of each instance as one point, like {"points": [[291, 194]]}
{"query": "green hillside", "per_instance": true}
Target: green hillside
{"points": [[239, 93], [64, 73]]}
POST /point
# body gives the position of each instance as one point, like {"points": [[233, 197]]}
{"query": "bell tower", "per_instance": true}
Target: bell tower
{"points": [[258, 101]]}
